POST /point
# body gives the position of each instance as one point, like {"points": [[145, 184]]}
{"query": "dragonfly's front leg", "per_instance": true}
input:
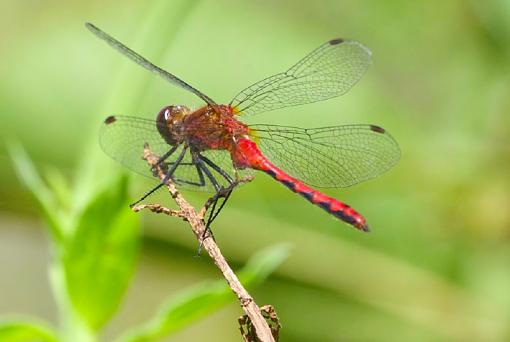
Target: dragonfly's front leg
{"points": [[168, 173]]}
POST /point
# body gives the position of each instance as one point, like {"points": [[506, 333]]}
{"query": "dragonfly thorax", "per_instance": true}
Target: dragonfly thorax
{"points": [[170, 123]]}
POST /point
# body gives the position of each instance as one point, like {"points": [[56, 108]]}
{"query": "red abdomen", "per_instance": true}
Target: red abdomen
{"points": [[246, 154]]}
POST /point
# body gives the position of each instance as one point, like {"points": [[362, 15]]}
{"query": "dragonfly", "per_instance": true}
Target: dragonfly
{"points": [[209, 148]]}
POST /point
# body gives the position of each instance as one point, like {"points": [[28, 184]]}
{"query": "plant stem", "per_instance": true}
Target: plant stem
{"points": [[72, 328], [196, 221]]}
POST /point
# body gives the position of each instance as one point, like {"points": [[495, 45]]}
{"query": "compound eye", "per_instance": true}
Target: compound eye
{"points": [[166, 112]]}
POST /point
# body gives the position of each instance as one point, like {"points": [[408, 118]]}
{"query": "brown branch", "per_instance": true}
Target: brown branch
{"points": [[248, 330], [157, 208], [196, 221]]}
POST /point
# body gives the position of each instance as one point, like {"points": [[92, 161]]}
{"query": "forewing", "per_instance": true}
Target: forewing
{"points": [[338, 156], [135, 57], [328, 71], [123, 139]]}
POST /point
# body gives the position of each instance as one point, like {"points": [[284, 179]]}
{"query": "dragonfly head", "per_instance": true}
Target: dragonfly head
{"points": [[169, 122]]}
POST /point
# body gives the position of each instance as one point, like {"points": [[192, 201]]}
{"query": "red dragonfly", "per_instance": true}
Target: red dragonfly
{"points": [[209, 148]]}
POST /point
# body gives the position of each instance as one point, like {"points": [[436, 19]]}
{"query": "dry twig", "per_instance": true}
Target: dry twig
{"points": [[248, 330], [196, 221]]}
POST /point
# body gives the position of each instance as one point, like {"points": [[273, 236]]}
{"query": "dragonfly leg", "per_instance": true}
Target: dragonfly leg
{"points": [[221, 192], [167, 177], [225, 194], [166, 155], [207, 232], [201, 165], [200, 174], [217, 168], [147, 194]]}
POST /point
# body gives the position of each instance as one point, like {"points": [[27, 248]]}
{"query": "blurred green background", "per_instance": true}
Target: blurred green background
{"points": [[436, 265]]}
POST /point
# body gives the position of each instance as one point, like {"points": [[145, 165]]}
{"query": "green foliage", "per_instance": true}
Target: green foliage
{"points": [[25, 331], [95, 259], [98, 258], [195, 303], [435, 266], [95, 248], [43, 195]]}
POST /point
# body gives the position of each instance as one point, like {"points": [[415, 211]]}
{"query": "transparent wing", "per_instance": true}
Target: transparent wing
{"points": [[338, 156], [146, 64], [328, 71], [123, 139]]}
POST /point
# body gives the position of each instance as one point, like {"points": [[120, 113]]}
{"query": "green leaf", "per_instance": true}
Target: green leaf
{"points": [[199, 301], [60, 188], [19, 331], [100, 256], [262, 264], [29, 176]]}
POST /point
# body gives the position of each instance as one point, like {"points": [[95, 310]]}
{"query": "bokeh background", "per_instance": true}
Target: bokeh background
{"points": [[436, 265]]}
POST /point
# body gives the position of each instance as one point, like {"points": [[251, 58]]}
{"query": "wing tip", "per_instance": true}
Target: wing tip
{"points": [[377, 129], [336, 41], [91, 27], [109, 120]]}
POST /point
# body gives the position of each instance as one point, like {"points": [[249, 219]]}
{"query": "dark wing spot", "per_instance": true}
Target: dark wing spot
{"points": [[110, 119], [377, 129], [336, 41]]}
